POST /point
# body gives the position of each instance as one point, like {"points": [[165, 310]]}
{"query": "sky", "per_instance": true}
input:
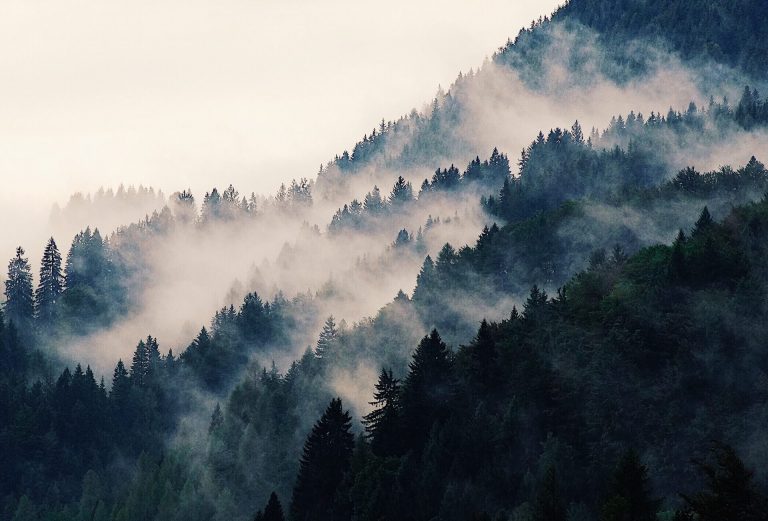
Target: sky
{"points": [[201, 93]]}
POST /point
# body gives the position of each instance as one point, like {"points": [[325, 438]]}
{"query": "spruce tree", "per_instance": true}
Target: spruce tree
{"points": [[19, 300], [121, 384], [629, 492], [428, 390], [549, 505], [703, 224], [274, 510], [325, 461], [327, 337], [51, 282], [730, 492], [402, 192], [382, 425]]}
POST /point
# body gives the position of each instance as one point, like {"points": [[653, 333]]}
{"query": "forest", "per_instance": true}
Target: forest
{"points": [[433, 327]]}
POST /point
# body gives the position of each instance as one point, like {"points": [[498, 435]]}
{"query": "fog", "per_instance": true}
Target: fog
{"points": [[194, 270], [194, 94]]}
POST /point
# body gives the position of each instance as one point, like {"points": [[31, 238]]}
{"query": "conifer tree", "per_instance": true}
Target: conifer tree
{"points": [[273, 511], [549, 504], [483, 367], [428, 389], [327, 337], [121, 383], [730, 490], [629, 492], [703, 224], [325, 461], [51, 282], [19, 300], [402, 192], [382, 425], [217, 420]]}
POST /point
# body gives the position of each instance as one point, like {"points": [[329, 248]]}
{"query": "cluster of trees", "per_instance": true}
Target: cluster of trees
{"points": [[488, 175], [88, 286], [548, 415], [709, 27], [629, 156], [216, 357], [357, 214]]}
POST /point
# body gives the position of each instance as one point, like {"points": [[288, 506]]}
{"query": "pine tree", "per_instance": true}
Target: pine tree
{"points": [[483, 363], [19, 300], [121, 384], [549, 504], [703, 224], [382, 425], [217, 420], [402, 192], [327, 337], [51, 282], [730, 493], [373, 203], [274, 510], [325, 461], [629, 492], [428, 389], [146, 361]]}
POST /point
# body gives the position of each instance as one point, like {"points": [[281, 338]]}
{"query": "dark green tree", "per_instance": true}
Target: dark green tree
{"points": [[382, 424], [428, 390], [324, 463], [19, 300], [629, 492], [549, 505], [273, 511], [327, 337], [51, 282], [402, 192], [730, 492]]}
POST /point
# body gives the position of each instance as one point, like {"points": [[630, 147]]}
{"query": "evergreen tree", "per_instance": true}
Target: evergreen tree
{"points": [[19, 300], [382, 424], [730, 491], [51, 282], [324, 463], [703, 224], [629, 492], [428, 389], [483, 362], [549, 504], [327, 337], [402, 192], [121, 384], [373, 203], [273, 511], [146, 361], [217, 420]]}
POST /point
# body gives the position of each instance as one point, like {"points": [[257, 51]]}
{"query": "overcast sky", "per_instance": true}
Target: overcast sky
{"points": [[197, 93]]}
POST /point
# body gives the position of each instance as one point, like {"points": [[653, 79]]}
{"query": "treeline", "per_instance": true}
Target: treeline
{"points": [[88, 291], [709, 27], [598, 403]]}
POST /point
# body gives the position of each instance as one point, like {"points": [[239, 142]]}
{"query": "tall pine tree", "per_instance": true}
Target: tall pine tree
{"points": [[325, 461], [382, 425], [19, 300], [327, 336], [51, 282]]}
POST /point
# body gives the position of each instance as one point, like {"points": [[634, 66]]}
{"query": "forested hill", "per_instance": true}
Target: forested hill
{"points": [[731, 32], [585, 318]]}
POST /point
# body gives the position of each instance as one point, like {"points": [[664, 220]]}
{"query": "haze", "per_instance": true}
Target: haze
{"points": [[200, 93]]}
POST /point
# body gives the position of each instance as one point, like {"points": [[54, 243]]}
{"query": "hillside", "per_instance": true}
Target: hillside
{"points": [[468, 317]]}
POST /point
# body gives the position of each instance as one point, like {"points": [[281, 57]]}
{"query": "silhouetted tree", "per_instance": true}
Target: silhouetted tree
{"points": [[19, 300], [324, 462]]}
